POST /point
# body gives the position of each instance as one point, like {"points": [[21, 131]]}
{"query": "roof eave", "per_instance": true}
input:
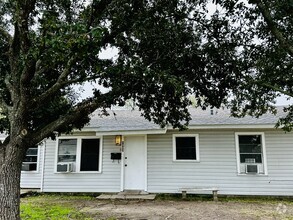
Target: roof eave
{"points": [[163, 131], [131, 132], [231, 126]]}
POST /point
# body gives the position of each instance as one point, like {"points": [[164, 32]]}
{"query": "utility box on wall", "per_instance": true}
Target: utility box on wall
{"points": [[115, 156]]}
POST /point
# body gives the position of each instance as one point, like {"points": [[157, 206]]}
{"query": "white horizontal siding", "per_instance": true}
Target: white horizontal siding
{"points": [[106, 181], [218, 165], [32, 179]]}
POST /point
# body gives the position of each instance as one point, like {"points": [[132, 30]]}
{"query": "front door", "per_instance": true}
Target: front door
{"points": [[134, 163]]}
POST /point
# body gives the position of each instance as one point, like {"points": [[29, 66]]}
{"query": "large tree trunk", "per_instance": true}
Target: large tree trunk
{"points": [[10, 169]]}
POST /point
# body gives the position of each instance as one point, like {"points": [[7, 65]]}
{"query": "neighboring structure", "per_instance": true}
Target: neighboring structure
{"points": [[239, 156]]}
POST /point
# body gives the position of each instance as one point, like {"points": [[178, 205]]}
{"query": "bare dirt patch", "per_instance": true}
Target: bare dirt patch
{"points": [[185, 210]]}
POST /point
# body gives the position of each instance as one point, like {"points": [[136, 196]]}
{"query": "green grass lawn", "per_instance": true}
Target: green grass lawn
{"points": [[52, 207]]}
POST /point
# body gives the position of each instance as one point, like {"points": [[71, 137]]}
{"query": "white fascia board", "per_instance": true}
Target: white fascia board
{"points": [[134, 132], [163, 131], [230, 126]]}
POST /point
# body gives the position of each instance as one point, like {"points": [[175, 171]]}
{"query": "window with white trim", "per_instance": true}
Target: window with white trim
{"points": [[67, 150], [250, 153], [30, 161], [82, 154], [90, 155], [185, 147]]}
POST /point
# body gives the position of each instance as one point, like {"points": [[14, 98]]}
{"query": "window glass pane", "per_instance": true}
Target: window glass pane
{"points": [[30, 160], [66, 158], [250, 158], [185, 148], [250, 148], [90, 152], [32, 151], [29, 167], [67, 150], [33, 166], [250, 144]]}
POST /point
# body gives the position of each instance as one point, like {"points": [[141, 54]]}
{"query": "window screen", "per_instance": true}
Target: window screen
{"points": [[90, 153], [67, 150], [185, 148], [250, 148], [30, 160]]}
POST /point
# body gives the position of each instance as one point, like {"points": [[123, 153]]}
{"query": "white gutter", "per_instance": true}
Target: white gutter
{"points": [[134, 132], [169, 127], [230, 126]]}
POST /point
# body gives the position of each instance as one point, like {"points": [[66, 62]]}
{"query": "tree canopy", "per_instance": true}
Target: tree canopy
{"points": [[48, 46], [167, 51], [262, 31]]}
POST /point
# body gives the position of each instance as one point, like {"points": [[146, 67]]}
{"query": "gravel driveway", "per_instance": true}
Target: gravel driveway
{"points": [[185, 210]]}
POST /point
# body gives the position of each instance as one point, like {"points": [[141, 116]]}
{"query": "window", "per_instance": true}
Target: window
{"points": [[185, 147], [67, 150], [90, 155], [30, 162], [79, 155], [251, 153]]}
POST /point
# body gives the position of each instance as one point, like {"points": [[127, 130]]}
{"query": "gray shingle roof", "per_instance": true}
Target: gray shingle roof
{"points": [[122, 120], [222, 117], [131, 120]]}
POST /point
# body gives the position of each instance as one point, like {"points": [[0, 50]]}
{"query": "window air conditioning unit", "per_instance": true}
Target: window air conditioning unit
{"points": [[64, 167], [251, 168]]}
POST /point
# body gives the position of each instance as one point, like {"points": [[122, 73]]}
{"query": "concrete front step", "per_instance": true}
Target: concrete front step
{"points": [[133, 192], [139, 195]]}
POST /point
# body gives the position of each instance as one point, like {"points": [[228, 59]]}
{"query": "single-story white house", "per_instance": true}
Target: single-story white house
{"points": [[238, 156]]}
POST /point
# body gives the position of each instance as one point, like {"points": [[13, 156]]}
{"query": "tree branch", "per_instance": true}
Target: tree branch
{"points": [[61, 81], [84, 108], [25, 9], [22, 17], [287, 46], [14, 51], [39, 69], [9, 86], [70, 82], [277, 89]]}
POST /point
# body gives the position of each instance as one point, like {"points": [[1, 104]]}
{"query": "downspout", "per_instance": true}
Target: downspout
{"points": [[43, 166]]}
